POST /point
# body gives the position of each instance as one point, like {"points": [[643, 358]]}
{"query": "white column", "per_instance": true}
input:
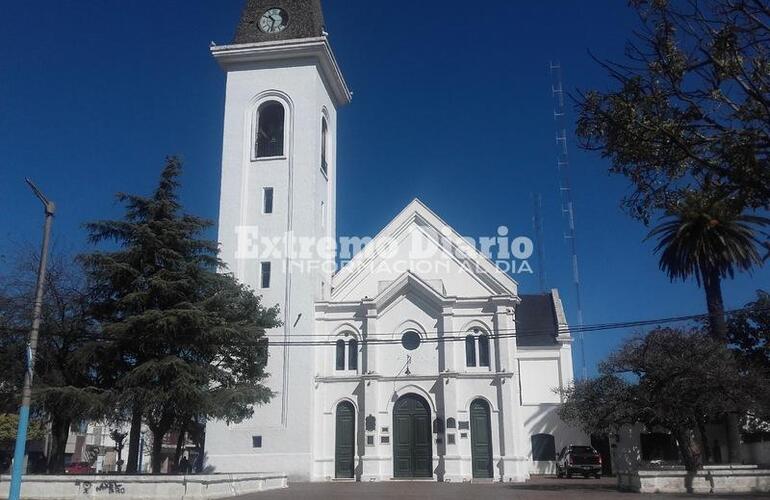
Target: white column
{"points": [[370, 459], [452, 465], [512, 449]]}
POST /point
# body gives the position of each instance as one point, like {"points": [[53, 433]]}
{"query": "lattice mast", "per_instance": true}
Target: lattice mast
{"points": [[537, 227], [565, 190]]}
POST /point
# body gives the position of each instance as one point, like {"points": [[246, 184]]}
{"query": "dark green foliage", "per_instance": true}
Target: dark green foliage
{"points": [[690, 108], [671, 378], [66, 387], [749, 331], [749, 335], [709, 240], [184, 339], [702, 239]]}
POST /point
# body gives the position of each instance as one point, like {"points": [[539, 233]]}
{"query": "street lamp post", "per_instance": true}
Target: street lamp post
{"points": [[26, 395]]}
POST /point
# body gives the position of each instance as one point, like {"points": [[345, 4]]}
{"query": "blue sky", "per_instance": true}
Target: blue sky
{"points": [[452, 104]]}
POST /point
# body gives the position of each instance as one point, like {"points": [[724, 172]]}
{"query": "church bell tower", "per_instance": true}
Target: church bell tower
{"points": [[278, 189]]}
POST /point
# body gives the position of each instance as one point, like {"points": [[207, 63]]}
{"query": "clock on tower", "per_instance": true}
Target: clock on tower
{"points": [[269, 20]]}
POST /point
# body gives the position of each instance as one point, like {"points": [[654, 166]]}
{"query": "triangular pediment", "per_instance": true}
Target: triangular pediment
{"points": [[410, 285], [418, 242]]}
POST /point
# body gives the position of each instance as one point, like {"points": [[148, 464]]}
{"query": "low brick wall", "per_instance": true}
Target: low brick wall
{"points": [[140, 487], [711, 479]]}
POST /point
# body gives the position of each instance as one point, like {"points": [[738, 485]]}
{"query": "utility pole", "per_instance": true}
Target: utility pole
{"points": [[26, 395]]}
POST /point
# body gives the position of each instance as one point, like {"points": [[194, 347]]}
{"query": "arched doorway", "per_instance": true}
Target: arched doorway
{"points": [[481, 439], [344, 440], [412, 439]]}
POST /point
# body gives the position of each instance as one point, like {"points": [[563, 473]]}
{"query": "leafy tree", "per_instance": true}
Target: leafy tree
{"points": [[9, 423], [690, 111], [187, 340], [670, 378], [749, 330], [749, 334], [66, 387], [708, 240], [688, 123]]}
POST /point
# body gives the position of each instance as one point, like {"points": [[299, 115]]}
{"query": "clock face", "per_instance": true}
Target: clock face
{"points": [[273, 20]]}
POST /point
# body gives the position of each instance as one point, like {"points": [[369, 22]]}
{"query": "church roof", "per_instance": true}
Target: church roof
{"points": [[536, 320], [417, 217]]}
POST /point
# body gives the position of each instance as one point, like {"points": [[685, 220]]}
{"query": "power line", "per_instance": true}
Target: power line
{"points": [[502, 333]]}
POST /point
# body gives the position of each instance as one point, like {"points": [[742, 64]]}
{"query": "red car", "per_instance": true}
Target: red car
{"points": [[79, 468]]}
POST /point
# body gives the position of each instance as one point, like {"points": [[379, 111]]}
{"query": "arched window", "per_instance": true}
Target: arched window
{"points": [[340, 364], [324, 145], [353, 354], [270, 117], [543, 447], [470, 350], [483, 350]]}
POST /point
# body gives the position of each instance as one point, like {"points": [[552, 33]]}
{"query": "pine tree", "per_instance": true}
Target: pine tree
{"points": [[184, 338]]}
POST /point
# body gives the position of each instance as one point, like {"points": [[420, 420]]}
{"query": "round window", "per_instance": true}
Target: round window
{"points": [[410, 340]]}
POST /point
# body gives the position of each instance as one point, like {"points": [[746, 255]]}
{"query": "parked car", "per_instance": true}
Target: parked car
{"points": [[79, 468], [578, 459]]}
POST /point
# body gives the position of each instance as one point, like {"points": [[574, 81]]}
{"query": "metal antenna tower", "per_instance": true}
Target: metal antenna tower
{"points": [[537, 226], [565, 190]]}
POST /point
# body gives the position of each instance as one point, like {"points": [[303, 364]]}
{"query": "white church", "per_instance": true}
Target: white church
{"points": [[384, 368]]}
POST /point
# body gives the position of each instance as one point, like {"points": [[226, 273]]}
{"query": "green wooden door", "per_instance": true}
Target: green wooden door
{"points": [[481, 439], [412, 443], [344, 440]]}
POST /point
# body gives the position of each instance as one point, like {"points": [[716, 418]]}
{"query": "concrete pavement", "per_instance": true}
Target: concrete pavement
{"points": [[536, 488]]}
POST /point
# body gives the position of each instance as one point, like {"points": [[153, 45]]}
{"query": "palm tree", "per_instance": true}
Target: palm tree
{"points": [[709, 240]]}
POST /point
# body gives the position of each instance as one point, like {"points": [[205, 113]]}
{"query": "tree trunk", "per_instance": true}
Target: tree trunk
{"points": [[704, 441], [200, 444], [712, 284], [132, 463], [158, 433], [689, 447], [734, 455], [179, 444], [60, 429]]}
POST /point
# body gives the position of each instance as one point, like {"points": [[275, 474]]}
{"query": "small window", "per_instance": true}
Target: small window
{"points": [[340, 355], [470, 350], [543, 447], [256, 441], [353, 355], [410, 340], [265, 274], [384, 439], [450, 439], [451, 423], [270, 130], [369, 440], [324, 145], [483, 350], [267, 200]]}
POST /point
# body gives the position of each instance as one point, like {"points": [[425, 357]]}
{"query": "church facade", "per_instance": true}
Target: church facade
{"points": [[418, 358]]}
